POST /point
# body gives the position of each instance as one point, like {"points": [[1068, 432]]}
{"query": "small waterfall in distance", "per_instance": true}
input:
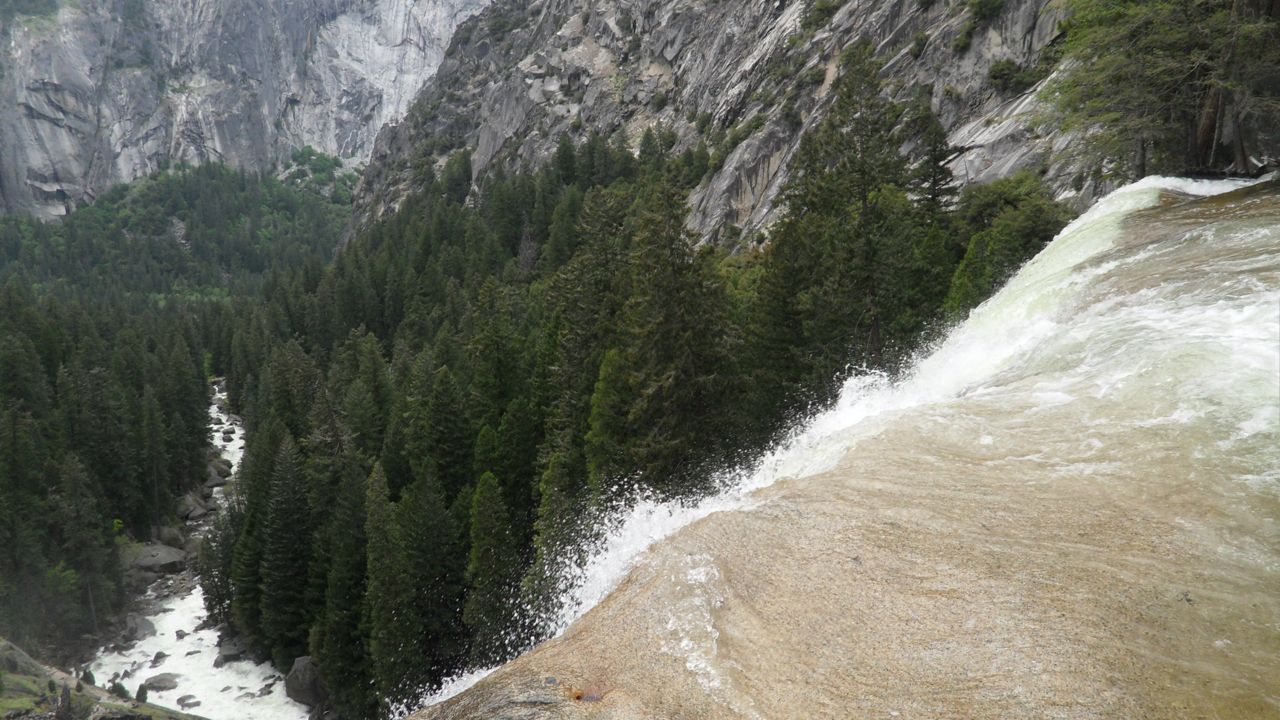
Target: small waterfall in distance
{"points": [[1067, 508]]}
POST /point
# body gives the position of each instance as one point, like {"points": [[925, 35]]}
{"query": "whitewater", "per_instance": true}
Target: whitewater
{"points": [[1067, 508], [239, 690]]}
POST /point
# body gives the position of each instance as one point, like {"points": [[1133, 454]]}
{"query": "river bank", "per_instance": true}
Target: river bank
{"points": [[167, 642]]}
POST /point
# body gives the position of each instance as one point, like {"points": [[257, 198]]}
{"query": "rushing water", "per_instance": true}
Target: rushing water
{"points": [[241, 690], [1068, 508]]}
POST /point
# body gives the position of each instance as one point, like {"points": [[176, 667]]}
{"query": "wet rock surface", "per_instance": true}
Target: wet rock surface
{"points": [[160, 559], [162, 682], [181, 638], [303, 683]]}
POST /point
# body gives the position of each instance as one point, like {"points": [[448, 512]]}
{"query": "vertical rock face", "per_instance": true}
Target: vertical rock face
{"points": [[105, 91], [746, 77]]}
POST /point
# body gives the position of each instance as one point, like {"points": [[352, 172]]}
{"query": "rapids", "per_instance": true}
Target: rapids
{"points": [[240, 690], [1068, 508]]}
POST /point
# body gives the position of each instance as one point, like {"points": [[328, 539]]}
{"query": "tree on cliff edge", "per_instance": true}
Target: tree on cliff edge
{"points": [[1170, 85]]}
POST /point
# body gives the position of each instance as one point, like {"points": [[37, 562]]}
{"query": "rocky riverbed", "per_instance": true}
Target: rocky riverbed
{"points": [[167, 643]]}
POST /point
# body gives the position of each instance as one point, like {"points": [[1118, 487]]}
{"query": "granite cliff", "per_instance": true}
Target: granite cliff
{"points": [[745, 77], [97, 92]]}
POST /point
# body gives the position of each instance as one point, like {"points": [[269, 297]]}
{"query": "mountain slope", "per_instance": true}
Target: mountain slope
{"points": [[104, 91], [743, 77]]}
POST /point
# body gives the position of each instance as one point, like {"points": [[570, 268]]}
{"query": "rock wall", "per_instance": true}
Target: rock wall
{"points": [[105, 91], [518, 76]]}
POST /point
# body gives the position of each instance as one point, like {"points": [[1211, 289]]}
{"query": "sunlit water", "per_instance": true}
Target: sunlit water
{"points": [[1068, 508], [241, 690]]}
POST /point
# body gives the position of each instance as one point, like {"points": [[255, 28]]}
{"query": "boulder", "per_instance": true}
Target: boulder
{"points": [[303, 683], [191, 506], [161, 682], [14, 660], [213, 480], [186, 702], [137, 627], [137, 581], [220, 467], [229, 650], [159, 658], [160, 559], [170, 536]]}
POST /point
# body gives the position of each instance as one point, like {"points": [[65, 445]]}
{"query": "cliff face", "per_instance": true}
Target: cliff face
{"points": [[105, 91], [744, 76]]}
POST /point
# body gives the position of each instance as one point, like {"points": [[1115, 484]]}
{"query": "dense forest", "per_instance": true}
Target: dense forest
{"points": [[436, 419], [103, 390], [440, 413]]}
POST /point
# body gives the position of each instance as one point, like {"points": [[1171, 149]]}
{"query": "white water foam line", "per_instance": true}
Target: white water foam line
{"points": [[994, 336]]}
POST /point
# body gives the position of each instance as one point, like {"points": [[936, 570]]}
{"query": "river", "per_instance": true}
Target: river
{"points": [[1068, 508], [240, 690]]}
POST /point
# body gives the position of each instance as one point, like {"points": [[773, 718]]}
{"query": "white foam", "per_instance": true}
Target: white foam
{"points": [[1001, 330], [234, 691]]}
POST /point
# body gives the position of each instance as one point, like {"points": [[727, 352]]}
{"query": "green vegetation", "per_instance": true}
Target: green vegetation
{"points": [[207, 231], [985, 10], [918, 43], [449, 406], [820, 13], [12, 8], [438, 416], [1009, 77], [28, 690], [981, 12], [312, 170], [1170, 85], [104, 420]]}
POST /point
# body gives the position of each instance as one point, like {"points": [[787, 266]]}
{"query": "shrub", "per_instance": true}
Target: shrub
{"points": [[964, 39], [984, 10], [918, 44], [820, 13], [1009, 76]]}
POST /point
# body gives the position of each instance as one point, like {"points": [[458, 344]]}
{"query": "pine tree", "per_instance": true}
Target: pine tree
{"points": [[448, 436], [151, 458], [676, 349], [605, 443], [389, 598], [827, 297], [254, 488], [563, 236], [565, 161], [286, 552], [1129, 83], [339, 644], [519, 436], [435, 554], [491, 567]]}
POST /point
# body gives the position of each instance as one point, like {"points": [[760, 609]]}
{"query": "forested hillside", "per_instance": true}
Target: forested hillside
{"points": [[103, 396], [436, 419], [683, 230]]}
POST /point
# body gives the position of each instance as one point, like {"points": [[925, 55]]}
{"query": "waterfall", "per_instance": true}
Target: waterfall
{"points": [[1068, 507]]}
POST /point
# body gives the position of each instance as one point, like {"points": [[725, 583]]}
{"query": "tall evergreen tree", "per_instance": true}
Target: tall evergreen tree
{"points": [[435, 553], [491, 568], [388, 601], [339, 644], [254, 488], [286, 552]]}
